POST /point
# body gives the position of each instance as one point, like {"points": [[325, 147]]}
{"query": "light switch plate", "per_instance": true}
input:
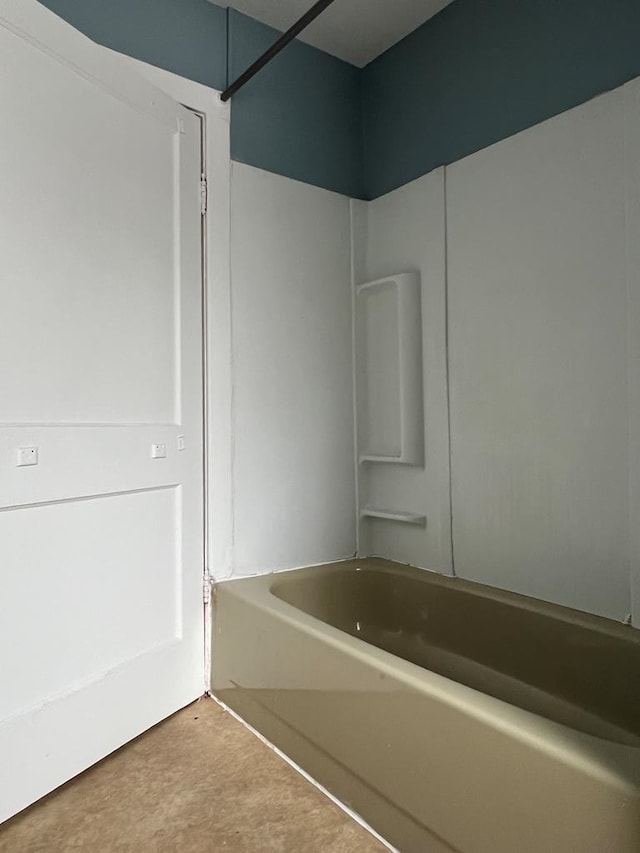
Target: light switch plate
{"points": [[158, 451]]}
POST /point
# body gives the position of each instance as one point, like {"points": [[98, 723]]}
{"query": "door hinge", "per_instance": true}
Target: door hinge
{"points": [[207, 587], [203, 194]]}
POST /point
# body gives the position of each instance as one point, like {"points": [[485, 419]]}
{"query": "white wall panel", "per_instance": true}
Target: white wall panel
{"points": [[404, 232], [538, 361], [292, 367]]}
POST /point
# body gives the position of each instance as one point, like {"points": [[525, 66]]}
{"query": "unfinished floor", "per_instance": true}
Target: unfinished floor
{"points": [[200, 781]]}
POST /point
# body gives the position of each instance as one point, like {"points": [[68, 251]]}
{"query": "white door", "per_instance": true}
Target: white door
{"points": [[101, 544]]}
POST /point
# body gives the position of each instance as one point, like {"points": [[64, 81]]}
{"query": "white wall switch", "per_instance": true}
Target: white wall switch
{"points": [[158, 451], [26, 456], [180, 441]]}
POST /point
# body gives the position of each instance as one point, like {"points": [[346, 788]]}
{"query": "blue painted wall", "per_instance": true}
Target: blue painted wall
{"points": [[188, 37], [482, 70], [301, 115], [477, 72]]}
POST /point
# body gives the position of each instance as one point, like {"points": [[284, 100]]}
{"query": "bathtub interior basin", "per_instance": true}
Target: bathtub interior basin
{"points": [[573, 668]]}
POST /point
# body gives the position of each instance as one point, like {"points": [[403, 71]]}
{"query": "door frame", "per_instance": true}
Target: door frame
{"points": [[217, 334]]}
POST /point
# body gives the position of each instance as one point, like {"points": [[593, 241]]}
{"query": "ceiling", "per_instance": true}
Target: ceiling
{"points": [[354, 30]]}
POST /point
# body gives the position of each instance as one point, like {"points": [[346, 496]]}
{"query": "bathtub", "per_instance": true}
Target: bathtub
{"points": [[451, 716]]}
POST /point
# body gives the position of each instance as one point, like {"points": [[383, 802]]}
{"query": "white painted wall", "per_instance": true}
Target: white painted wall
{"points": [[292, 366], [401, 232], [538, 313]]}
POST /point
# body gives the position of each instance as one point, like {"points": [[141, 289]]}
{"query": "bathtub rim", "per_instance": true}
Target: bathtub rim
{"points": [[570, 615]]}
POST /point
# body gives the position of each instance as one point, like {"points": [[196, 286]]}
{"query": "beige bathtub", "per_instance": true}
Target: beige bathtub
{"points": [[451, 716]]}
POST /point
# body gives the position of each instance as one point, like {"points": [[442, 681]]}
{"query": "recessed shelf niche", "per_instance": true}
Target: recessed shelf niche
{"points": [[389, 370]]}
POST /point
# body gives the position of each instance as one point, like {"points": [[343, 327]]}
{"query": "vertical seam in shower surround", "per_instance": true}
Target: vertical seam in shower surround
{"points": [[232, 368], [356, 463], [631, 202], [447, 365]]}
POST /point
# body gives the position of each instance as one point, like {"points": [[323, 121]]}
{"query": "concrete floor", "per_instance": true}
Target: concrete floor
{"points": [[199, 782]]}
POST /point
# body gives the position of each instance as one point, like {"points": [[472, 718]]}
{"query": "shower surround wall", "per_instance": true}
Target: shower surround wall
{"points": [[540, 367], [404, 232], [291, 366], [543, 325]]}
